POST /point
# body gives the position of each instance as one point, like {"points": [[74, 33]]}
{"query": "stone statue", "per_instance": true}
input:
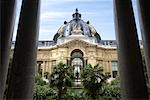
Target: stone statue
{"points": [[76, 29]]}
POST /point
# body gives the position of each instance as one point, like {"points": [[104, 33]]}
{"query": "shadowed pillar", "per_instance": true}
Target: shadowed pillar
{"points": [[7, 8], [133, 85], [144, 16], [21, 81]]}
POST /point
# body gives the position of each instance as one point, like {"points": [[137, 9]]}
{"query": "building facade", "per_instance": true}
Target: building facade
{"points": [[77, 44]]}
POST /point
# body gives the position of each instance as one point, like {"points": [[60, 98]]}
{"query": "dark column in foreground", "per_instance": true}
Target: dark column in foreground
{"points": [[24, 62], [133, 85], [144, 13], [7, 24]]}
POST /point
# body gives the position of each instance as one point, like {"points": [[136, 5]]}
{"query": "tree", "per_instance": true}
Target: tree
{"points": [[61, 78], [93, 80]]}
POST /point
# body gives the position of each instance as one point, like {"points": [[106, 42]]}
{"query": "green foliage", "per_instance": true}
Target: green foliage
{"points": [[93, 80], [112, 90], [60, 86], [76, 94], [39, 80], [42, 91], [61, 78], [46, 75]]}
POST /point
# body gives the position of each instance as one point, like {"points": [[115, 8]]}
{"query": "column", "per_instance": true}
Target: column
{"points": [[43, 68], [85, 62], [133, 85], [36, 68], [49, 66], [144, 16], [107, 66], [104, 66], [25, 53], [7, 26], [69, 61], [110, 68]]}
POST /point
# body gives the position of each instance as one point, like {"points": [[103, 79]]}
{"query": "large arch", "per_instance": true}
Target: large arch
{"points": [[77, 62]]}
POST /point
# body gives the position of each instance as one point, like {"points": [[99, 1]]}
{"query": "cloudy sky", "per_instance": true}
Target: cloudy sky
{"points": [[55, 12]]}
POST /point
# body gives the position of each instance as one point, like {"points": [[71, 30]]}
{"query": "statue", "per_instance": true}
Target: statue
{"points": [[76, 29]]}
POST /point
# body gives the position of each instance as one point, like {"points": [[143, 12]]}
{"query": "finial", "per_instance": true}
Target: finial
{"points": [[76, 15], [88, 22], [65, 22], [76, 10]]}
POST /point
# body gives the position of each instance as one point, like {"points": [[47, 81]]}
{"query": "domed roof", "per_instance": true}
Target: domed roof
{"points": [[77, 27]]}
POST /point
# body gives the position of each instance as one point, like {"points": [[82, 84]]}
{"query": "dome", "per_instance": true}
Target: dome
{"points": [[77, 27]]}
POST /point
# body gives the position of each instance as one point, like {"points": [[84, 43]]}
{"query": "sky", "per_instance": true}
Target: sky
{"points": [[54, 12]]}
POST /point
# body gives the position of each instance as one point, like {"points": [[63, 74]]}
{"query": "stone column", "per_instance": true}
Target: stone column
{"points": [[106, 66], [133, 85], [25, 53], [36, 68], [43, 68], [7, 14], [69, 61], [103, 64], [49, 66], [144, 16], [110, 68], [84, 62]]}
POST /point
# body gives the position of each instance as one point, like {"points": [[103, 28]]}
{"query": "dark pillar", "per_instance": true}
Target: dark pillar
{"points": [[84, 62], [21, 82], [133, 85], [144, 16], [68, 62], [7, 11]]}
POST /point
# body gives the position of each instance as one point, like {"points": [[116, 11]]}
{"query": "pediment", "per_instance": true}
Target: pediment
{"points": [[76, 42]]}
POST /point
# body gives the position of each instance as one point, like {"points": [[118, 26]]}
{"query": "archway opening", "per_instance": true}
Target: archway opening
{"points": [[77, 63]]}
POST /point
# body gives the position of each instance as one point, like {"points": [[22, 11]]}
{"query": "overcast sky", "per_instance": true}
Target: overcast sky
{"points": [[55, 12]]}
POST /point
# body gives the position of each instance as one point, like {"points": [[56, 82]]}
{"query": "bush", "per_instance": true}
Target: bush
{"points": [[112, 90], [42, 90], [76, 94]]}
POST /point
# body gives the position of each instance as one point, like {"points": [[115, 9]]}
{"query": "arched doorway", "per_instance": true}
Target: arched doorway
{"points": [[77, 62]]}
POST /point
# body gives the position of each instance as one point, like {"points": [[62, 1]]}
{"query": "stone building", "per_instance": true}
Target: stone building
{"points": [[77, 44], [25, 52]]}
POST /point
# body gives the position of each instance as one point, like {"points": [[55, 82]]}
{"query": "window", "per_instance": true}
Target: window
{"points": [[114, 65]]}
